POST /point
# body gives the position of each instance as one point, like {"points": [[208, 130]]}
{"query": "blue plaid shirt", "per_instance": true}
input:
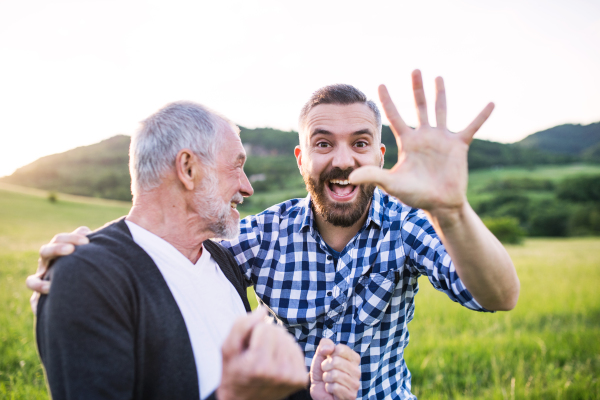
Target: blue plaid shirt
{"points": [[366, 301]]}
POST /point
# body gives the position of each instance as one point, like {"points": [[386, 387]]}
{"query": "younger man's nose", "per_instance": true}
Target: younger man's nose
{"points": [[343, 158]]}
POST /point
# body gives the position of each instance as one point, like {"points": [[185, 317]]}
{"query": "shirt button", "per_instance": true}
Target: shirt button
{"points": [[329, 258], [328, 293], [329, 324]]}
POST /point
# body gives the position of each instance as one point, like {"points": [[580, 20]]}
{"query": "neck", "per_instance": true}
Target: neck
{"points": [[168, 214], [337, 237]]}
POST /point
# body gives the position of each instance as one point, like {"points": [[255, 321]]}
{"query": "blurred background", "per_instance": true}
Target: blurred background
{"points": [[76, 77]]}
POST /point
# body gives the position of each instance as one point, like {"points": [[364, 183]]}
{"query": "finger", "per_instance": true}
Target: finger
{"points": [[440, 103], [326, 348], [238, 337], [82, 230], [341, 364], [345, 352], [48, 252], [339, 391], [342, 378], [474, 126], [370, 174], [33, 301], [72, 238], [37, 284], [275, 353], [397, 123], [290, 356], [298, 361], [342, 350], [420, 102], [262, 350], [270, 342]]}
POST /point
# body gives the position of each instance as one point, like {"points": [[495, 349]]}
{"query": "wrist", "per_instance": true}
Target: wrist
{"points": [[449, 217]]}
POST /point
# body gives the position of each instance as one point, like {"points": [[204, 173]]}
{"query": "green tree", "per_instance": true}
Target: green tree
{"points": [[506, 229]]}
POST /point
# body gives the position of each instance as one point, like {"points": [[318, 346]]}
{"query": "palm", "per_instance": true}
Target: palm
{"points": [[431, 171]]}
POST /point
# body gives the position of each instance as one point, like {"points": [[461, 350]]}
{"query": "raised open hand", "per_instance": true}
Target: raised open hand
{"points": [[431, 172]]}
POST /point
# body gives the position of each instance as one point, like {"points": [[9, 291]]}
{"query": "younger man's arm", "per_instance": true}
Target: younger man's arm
{"points": [[431, 174]]}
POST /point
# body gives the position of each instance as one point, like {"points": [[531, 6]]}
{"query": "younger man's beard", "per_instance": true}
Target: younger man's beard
{"points": [[338, 214]]}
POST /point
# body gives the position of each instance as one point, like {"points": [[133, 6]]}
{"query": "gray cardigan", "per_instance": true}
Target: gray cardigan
{"points": [[110, 327]]}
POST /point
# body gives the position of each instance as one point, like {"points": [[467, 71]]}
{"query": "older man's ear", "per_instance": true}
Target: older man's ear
{"points": [[188, 168]]}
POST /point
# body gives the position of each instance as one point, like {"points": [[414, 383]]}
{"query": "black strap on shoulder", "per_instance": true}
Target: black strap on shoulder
{"points": [[230, 269]]}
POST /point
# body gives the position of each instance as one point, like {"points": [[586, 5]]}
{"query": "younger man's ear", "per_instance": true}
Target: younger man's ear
{"points": [[298, 154], [187, 168]]}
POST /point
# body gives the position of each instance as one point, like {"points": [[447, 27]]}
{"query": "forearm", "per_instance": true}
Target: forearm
{"points": [[481, 262]]}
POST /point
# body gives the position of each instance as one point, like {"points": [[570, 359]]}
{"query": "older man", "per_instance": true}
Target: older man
{"points": [[343, 263], [143, 310]]}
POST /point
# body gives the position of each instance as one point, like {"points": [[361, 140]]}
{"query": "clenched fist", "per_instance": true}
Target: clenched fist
{"points": [[260, 361]]}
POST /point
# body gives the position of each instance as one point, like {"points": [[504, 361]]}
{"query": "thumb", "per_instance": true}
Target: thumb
{"points": [[325, 349], [241, 331], [369, 174]]}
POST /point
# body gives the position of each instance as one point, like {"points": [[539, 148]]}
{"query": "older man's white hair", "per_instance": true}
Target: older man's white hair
{"points": [[179, 125]]}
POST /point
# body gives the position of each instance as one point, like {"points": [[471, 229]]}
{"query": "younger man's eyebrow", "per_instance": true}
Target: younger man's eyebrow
{"points": [[326, 132], [363, 132], [320, 132]]}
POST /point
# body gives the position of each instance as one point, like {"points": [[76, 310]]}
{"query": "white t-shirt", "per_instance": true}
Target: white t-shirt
{"points": [[207, 300]]}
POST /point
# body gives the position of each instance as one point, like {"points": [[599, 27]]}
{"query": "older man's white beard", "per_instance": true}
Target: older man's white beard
{"points": [[217, 213]]}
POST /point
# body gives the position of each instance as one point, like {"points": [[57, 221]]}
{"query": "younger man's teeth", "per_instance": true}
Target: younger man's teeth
{"points": [[340, 182]]}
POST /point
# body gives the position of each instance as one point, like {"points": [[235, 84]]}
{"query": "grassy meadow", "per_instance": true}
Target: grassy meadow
{"points": [[480, 179], [26, 222], [547, 348]]}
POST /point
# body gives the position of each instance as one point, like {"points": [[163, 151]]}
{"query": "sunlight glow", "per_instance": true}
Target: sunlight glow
{"points": [[76, 72]]}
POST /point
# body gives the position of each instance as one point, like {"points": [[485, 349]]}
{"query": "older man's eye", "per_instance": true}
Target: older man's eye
{"points": [[361, 144], [322, 144]]}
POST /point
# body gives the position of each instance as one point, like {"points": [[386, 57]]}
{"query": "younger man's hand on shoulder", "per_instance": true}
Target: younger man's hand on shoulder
{"points": [[61, 244]]}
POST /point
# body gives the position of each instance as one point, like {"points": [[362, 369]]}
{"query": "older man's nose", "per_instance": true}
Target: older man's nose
{"points": [[246, 188]]}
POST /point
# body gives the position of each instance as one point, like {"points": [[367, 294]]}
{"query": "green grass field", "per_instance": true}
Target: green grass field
{"points": [[479, 179], [27, 222], [547, 348]]}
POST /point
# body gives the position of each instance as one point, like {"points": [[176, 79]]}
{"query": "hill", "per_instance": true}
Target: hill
{"points": [[98, 170], [566, 139], [101, 170]]}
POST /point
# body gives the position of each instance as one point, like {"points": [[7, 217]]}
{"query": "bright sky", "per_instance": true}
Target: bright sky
{"points": [[75, 72]]}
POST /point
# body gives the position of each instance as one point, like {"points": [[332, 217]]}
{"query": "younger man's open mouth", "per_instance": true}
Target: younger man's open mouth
{"points": [[341, 189]]}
